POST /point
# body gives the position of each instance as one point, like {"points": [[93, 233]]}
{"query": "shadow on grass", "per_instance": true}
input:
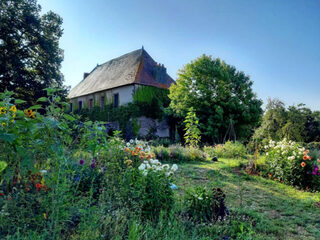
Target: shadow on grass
{"points": [[291, 212]]}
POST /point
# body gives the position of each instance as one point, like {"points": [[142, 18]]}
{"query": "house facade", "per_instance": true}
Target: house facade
{"points": [[116, 80]]}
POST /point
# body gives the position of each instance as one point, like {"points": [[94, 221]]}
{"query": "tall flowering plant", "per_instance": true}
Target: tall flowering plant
{"points": [[146, 185], [288, 162]]}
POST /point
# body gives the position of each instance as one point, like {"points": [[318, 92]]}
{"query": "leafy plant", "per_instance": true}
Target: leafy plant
{"points": [[203, 205], [227, 150], [192, 132]]}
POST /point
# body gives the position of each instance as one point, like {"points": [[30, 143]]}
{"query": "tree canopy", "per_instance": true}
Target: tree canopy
{"points": [[218, 93], [296, 123], [30, 57]]}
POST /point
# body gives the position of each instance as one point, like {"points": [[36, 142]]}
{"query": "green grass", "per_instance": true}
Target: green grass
{"points": [[282, 212]]}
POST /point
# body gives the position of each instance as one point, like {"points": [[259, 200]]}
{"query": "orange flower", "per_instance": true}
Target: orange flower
{"points": [[308, 157], [275, 179], [303, 164], [127, 149], [270, 175], [307, 151], [141, 156], [305, 157]]}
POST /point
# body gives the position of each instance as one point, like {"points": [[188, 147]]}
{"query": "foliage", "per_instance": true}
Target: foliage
{"points": [[296, 123], [288, 162], [50, 187], [178, 153], [227, 150], [205, 205], [30, 57], [192, 132], [218, 93], [147, 94]]}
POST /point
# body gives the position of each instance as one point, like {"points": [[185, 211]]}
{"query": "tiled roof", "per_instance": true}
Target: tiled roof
{"points": [[134, 67]]}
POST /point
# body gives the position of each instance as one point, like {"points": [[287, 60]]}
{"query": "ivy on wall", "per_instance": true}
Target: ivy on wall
{"points": [[148, 101]]}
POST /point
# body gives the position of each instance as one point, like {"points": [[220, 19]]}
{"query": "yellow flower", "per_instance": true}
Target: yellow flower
{"points": [[44, 215], [3, 124], [30, 113], [13, 108], [3, 110]]}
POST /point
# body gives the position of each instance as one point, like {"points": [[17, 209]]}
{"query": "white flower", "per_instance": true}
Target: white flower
{"points": [[142, 167], [174, 167], [43, 171], [145, 173], [165, 166], [128, 144], [131, 140], [200, 198]]}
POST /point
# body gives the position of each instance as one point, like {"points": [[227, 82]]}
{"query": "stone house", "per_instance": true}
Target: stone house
{"points": [[116, 81]]}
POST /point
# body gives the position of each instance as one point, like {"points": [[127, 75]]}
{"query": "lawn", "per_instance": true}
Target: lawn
{"points": [[279, 211]]}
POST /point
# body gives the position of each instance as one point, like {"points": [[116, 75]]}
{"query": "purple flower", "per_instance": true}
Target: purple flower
{"points": [[81, 162], [104, 169], [93, 165]]}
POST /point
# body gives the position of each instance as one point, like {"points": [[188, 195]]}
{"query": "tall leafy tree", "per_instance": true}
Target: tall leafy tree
{"points": [[30, 57], [297, 123], [218, 93]]}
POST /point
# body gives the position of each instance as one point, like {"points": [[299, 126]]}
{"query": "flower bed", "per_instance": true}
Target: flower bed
{"points": [[288, 162]]}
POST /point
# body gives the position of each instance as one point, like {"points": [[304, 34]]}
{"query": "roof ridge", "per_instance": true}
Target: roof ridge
{"points": [[122, 56]]}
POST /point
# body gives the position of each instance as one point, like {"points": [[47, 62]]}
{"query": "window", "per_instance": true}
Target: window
{"points": [[70, 107], [80, 105], [116, 100], [90, 103], [101, 103]]}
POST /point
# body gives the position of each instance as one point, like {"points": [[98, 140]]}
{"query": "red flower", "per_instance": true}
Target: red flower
{"points": [[303, 164], [38, 186], [1, 194]]}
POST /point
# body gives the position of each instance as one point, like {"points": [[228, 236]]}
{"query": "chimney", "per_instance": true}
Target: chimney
{"points": [[85, 75]]}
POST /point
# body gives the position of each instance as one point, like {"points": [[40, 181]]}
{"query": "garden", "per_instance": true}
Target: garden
{"points": [[229, 168], [62, 178]]}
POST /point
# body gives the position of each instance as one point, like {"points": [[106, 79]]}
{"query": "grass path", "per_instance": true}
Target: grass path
{"points": [[284, 212]]}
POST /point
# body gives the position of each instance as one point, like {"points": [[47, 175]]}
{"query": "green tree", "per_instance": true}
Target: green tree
{"points": [[296, 123], [273, 121], [30, 57], [217, 92], [192, 132]]}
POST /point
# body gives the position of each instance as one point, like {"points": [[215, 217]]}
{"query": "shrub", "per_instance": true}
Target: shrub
{"points": [[178, 153], [288, 162], [203, 205], [227, 150]]}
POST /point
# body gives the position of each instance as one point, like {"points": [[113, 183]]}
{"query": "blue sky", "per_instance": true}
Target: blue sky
{"points": [[275, 42]]}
